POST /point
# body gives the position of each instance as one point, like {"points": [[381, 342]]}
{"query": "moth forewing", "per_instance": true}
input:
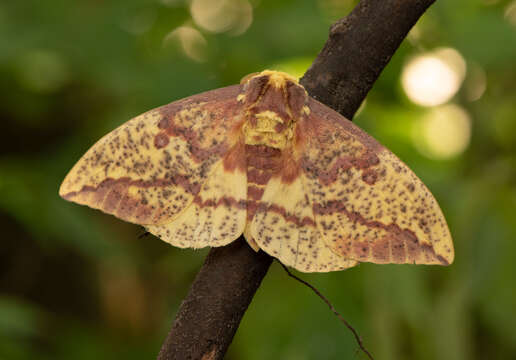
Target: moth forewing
{"points": [[264, 159]]}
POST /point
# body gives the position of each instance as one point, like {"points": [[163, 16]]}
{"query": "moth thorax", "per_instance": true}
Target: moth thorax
{"points": [[267, 128]]}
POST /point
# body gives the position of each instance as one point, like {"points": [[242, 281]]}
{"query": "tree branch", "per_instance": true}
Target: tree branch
{"points": [[220, 294], [359, 47]]}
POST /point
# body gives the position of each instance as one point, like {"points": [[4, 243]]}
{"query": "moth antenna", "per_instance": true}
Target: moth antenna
{"points": [[332, 308]]}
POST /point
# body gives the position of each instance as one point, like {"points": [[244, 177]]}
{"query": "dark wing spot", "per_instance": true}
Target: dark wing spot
{"points": [[161, 140]]}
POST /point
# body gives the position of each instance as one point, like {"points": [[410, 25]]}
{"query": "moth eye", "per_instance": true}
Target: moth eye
{"points": [[245, 79]]}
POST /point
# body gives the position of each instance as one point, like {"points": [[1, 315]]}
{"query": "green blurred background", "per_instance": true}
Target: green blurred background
{"points": [[78, 284]]}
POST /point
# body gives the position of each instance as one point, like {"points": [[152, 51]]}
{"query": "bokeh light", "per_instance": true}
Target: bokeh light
{"points": [[190, 40], [233, 16], [476, 83], [138, 22], [510, 13], [42, 71], [444, 132], [433, 78]]}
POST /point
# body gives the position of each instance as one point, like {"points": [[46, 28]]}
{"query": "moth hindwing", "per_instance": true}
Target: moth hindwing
{"points": [[264, 159]]}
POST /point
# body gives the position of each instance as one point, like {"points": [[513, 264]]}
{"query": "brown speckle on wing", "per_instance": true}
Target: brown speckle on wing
{"points": [[300, 181], [368, 205], [151, 168]]}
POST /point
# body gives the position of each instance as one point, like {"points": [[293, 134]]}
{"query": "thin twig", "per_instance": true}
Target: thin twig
{"points": [[332, 308]]}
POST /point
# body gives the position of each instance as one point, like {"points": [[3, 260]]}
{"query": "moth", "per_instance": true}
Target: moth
{"points": [[265, 160]]}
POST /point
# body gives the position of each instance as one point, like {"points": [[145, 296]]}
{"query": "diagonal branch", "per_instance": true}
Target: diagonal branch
{"points": [[358, 48], [220, 294]]}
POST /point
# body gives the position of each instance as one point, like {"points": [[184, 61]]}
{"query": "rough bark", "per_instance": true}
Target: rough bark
{"points": [[359, 47], [220, 294]]}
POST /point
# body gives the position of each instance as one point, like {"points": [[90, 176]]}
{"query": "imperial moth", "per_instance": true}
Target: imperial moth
{"points": [[263, 159]]}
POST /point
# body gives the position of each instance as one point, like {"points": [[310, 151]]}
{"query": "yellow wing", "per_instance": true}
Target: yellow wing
{"points": [[368, 205], [176, 162], [217, 215], [341, 198], [284, 227]]}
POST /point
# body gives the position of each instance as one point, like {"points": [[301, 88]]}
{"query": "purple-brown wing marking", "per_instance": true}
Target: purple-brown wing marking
{"points": [[368, 205], [300, 181], [152, 168]]}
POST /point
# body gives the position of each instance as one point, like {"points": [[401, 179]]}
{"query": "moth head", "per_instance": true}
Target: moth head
{"points": [[273, 97]]}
